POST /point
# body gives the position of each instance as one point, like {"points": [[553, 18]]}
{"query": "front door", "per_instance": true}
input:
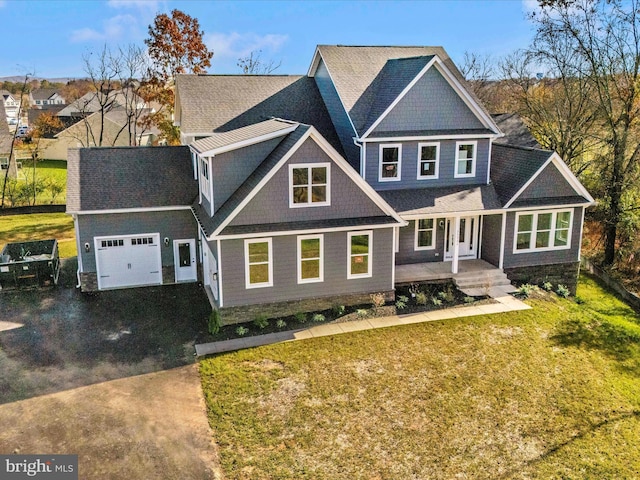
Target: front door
{"points": [[468, 238], [184, 255]]}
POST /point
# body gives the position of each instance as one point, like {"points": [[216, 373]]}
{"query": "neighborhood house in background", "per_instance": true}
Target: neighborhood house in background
{"points": [[296, 193]]}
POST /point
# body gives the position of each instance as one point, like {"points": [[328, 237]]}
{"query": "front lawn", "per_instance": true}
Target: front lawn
{"points": [[551, 392], [40, 226]]}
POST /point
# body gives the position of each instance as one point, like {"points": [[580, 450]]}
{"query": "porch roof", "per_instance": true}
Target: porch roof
{"points": [[462, 198]]}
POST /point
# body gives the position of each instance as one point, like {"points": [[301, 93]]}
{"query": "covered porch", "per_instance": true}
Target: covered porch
{"points": [[474, 277]]}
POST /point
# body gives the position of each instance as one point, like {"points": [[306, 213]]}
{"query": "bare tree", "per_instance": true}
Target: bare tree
{"points": [[12, 168], [556, 104], [604, 36], [253, 64]]}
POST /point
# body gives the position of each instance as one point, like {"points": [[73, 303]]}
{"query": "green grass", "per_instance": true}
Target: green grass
{"points": [[19, 228], [552, 392], [47, 171]]}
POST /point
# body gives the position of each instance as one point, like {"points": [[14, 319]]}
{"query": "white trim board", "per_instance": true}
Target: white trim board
{"points": [[486, 120], [564, 171], [129, 210]]}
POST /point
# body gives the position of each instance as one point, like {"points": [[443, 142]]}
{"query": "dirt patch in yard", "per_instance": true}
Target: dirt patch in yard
{"points": [[148, 426]]}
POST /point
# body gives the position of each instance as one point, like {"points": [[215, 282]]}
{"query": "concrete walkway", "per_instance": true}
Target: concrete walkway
{"points": [[505, 303]]}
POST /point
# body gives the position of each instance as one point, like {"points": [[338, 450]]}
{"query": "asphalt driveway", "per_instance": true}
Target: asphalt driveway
{"points": [[69, 339]]}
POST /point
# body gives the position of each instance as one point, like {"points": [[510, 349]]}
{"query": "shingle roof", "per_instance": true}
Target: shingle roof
{"points": [[512, 167], [361, 73], [225, 139], [428, 201], [5, 136], [515, 131], [208, 224], [106, 178], [44, 93], [220, 103]]}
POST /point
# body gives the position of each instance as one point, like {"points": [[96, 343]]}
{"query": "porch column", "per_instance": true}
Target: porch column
{"points": [[455, 239]]}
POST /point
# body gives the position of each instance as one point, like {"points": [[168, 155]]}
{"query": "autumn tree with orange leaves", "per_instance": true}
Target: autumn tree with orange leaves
{"points": [[175, 46]]}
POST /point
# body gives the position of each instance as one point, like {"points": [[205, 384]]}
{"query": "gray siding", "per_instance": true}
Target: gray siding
{"points": [[409, 167], [285, 286], [549, 184], [542, 258], [338, 115], [406, 246], [271, 204], [175, 224], [491, 234], [231, 169], [205, 204], [430, 105]]}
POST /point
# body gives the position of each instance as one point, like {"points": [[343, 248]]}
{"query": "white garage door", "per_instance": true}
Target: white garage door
{"points": [[128, 261]]}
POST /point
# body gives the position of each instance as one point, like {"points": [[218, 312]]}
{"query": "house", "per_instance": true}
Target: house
{"points": [[46, 96], [11, 106], [374, 168], [113, 126]]}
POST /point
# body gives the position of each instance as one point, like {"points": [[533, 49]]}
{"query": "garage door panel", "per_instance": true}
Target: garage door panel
{"points": [[128, 261]]}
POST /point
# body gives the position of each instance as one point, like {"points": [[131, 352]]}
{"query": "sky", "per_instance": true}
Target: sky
{"points": [[49, 38]]}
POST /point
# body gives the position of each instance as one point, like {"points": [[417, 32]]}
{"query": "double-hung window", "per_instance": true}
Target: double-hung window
{"points": [[359, 247], [390, 162], [428, 160], [258, 263], [425, 234], [541, 231], [465, 159], [310, 259], [309, 185]]}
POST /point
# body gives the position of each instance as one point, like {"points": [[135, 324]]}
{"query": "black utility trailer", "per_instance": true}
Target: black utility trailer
{"points": [[29, 263]]}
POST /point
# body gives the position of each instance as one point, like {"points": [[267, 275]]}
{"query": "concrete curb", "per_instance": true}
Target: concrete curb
{"points": [[506, 303]]}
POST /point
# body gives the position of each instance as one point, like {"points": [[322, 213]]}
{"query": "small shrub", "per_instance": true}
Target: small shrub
{"points": [[213, 325], [421, 298], [525, 290], [468, 299], [401, 302], [562, 291], [547, 286], [300, 317], [242, 331], [579, 300], [377, 299], [446, 295], [338, 310], [318, 317], [261, 322], [413, 290], [436, 301], [362, 313], [280, 323]]}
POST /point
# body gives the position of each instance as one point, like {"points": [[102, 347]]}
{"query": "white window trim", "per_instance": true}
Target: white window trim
{"points": [[433, 235], [369, 233], [473, 163], [399, 169], [437, 160], [205, 179], [321, 258], [534, 226], [248, 242], [309, 203]]}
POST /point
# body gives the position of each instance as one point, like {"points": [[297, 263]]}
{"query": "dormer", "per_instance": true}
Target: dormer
{"points": [[223, 161]]}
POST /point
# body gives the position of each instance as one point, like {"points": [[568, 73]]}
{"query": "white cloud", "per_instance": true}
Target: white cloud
{"points": [[113, 29], [237, 45]]}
